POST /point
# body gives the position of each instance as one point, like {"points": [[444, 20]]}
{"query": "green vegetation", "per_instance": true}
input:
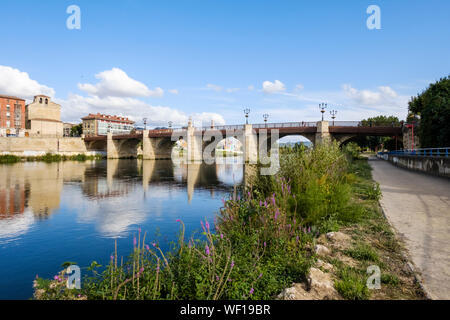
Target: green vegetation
{"points": [[261, 243], [76, 131], [352, 284], [48, 157], [374, 142], [433, 107]]}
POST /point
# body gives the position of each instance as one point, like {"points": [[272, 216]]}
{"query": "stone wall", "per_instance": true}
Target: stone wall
{"points": [[439, 166], [33, 146]]}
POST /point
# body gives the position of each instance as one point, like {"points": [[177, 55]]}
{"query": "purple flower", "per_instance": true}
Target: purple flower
{"points": [[277, 213], [56, 277], [178, 220], [232, 263], [147, 247], [260, 275], [134, 241], [251, 291], [141, 270], [112, 257], [207, 225], [203, 227], [265, 244], [221, 236], [273, 199], [217, 278], [260, 203], [309, 229], [154, 244], [207, 250], [139, 229]]}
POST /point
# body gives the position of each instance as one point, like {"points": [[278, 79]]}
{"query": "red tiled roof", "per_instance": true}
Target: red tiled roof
{"points": [[106, 117], [11, 97]]}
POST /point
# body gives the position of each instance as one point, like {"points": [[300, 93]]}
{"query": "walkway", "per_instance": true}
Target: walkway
{"points": [[418, 207]]}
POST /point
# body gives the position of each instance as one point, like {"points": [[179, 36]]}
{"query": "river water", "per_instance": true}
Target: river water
{"points": [[51, 213]]}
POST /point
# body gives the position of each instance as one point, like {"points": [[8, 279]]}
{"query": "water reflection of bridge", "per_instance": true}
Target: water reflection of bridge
{"points": [[37, 186]]}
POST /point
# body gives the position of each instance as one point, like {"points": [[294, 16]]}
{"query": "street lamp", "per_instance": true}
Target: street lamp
{"points": [[322, 107], [145, 123], [109, 127], [246, 111], [170, 124], [333, 115], [265, 116]]}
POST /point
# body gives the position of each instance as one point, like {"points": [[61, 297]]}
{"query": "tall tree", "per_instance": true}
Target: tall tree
{"points": [[433, 108]]}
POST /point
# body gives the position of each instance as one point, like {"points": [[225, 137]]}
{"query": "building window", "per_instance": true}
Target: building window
{"points": [[8, 124], [46, 101], [40, 100]]}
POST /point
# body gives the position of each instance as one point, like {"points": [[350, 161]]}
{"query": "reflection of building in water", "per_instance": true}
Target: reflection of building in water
{"points": [[12, 200], [33, 185]]}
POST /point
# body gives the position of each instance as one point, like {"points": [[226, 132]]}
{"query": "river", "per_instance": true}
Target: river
{"points": [[51, 213]]}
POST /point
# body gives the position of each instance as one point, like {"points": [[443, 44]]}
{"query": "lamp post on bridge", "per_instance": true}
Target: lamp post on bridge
{"points": [[333, 115], [246, 112], [322, 107], [170, 124], [145, 123], [265, 116]]}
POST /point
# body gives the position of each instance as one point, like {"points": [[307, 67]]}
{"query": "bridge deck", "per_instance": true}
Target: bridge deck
{"points": [[349, 127]]}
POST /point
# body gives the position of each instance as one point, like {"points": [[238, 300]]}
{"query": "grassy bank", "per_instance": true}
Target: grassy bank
{"points": [[48, 157], [262, 242]]}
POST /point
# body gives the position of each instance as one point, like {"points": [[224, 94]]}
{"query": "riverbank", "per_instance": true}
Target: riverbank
{"points": [[265, 238], [48, 157]]}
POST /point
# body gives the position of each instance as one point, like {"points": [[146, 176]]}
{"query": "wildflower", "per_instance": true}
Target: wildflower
{"points": [[207, 225], [56, 277], [260, 275], [207, 250], [139, 229], [260, 203], [248, 194], [112, 257], [232, 263], [265, 244], [154, 244], [309, 229], [217, 278], [273, 199], [297, 239], [251, 291], [178, 220], [147, 247], [203, 227], [141, 270], [134, 241], [221, 236], [277, 213]]}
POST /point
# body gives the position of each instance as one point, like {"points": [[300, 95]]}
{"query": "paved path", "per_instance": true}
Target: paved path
{"points": [[418, 207]]}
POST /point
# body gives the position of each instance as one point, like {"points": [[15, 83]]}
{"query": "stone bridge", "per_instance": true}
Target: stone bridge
{"points": [[158, 144]]}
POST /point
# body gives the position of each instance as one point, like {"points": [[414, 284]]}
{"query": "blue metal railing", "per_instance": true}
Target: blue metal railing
{"points": [[425, 152]]}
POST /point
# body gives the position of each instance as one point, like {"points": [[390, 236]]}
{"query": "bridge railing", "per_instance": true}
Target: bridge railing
{"points": [[284, 125], [425, 152]]}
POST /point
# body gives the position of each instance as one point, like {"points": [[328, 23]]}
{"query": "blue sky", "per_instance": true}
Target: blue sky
{"points": [[168, 60]]}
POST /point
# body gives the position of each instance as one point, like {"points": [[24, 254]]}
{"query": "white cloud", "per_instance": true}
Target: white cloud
{"points": [[230, 90], [251, 87], [16, 83], [173, 91], [214, 87], [299, 87], [273, 87], [116, 83], [367, 97]]}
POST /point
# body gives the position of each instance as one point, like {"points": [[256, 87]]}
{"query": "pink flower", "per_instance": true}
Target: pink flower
{"points": [[232, 263], [147, 247], [207, 225], [134, 241], [265, 244], [207, 250], [178, 220], [154, 244], [221, 236], [251, 291]]}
